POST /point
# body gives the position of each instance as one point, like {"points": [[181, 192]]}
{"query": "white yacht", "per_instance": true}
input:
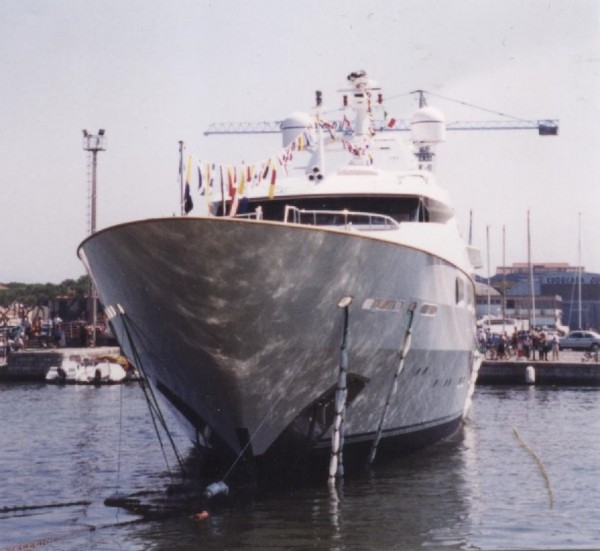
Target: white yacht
{"points": [[350, 281]]}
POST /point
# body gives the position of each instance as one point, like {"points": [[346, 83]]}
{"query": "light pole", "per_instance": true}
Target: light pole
{"points": [[93, 143]]}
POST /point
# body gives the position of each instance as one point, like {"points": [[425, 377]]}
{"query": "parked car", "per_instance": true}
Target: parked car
{"points": [[580, 340]]}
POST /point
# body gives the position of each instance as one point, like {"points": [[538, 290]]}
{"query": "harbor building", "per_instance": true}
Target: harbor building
{"points": [[544, 294]]}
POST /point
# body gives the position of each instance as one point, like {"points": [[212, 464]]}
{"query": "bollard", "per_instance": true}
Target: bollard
{"points": [[530, 375]]}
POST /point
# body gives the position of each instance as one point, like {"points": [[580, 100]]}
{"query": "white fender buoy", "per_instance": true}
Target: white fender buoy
{"points": [[216, 488], [530, 375]]}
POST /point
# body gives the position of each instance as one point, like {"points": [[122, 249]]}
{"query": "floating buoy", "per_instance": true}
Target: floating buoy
{"points": [[216, 488], [530, 375]]}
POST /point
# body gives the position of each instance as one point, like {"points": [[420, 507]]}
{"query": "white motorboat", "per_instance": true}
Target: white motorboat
{"points": [[73, 372], [66, 372], [351, 281], [101, 373]]}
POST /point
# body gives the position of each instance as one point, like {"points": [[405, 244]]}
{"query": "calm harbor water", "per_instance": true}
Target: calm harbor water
{"points": [[523, 473]]}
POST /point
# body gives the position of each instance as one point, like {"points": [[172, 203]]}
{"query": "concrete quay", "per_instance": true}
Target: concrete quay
{"points": [[570, 371], [33, 365]]}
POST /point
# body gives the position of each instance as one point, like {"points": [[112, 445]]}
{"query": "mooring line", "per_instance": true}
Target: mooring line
{"points": [[152, 403], [336, 458], [72, 534], [394, 386], [540, 465], [45, 506]]}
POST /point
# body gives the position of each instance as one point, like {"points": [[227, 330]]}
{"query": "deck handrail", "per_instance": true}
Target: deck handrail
{"points": [[373, 221]]}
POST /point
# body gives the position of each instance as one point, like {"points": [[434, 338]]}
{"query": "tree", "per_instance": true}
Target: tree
{"points": [[31, 295]]}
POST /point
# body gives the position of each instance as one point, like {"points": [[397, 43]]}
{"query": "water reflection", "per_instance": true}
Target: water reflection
{"points": [[481, 489]]}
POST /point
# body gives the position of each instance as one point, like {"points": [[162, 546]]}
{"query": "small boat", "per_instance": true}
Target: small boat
{"points": [[74, 372], [319, 317], [67, 372], [101, 373]]}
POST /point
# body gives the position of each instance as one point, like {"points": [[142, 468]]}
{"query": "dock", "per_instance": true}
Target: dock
{"points": [[562, 373], [33, 365]]}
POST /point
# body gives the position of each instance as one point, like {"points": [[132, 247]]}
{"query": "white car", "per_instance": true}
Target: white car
{"points": [[580, 340]]}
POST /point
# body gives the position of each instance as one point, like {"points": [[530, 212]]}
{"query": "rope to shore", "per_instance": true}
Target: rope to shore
{"points": [[72, 534], [151, 400], [540, 465], [18, 508]]}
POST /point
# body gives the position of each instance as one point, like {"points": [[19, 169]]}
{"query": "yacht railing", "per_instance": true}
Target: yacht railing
{"points": [[256, 215], [361, 221]]}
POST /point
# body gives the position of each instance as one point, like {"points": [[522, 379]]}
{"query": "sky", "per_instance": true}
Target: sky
{"points": [[154, 72]]}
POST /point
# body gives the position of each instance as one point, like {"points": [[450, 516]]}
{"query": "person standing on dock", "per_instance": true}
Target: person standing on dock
{"points": [[535, 344], [555, 348], [56, 331], [543, 349]]}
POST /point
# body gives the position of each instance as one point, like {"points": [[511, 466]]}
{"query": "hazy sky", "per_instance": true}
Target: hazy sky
{"points": [[155, 72]]}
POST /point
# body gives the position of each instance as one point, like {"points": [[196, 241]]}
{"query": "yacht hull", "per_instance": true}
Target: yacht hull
{"points": [[236, 323]]}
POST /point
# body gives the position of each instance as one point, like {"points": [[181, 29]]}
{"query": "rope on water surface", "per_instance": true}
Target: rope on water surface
{"points": [[540, 465]]}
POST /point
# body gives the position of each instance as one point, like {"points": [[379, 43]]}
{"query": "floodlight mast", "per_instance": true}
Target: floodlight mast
{"points": [[94, 143]]}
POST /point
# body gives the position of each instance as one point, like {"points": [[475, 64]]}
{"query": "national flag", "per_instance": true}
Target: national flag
{"points": [[188, 204], [240, 189], [201, 187], [231, 172]]}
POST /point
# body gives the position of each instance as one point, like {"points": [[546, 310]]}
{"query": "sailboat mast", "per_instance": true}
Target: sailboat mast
{"points": [[531, 287], [579, 270], [489, 300], [503, 278]]}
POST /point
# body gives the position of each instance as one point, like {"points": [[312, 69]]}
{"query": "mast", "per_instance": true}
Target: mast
{"points": [[471, 227], [580, 274], [503, 278], [489, 300], [531, 287]]}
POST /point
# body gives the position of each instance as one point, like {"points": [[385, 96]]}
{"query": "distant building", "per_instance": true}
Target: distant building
{"points": [[556, 289]]}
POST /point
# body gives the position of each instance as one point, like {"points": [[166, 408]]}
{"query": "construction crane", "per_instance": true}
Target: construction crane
{"points": [[545, 127]]}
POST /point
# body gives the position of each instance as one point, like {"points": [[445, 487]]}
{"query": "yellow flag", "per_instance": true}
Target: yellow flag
{"points": [[242, 183]]}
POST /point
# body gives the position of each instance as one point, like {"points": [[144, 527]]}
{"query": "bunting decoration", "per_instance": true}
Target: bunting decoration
{"points": [[235, 181], [272, 184]]}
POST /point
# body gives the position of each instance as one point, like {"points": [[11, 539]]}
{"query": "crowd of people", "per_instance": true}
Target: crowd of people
{"points": [[535, 344], [49, 333]]}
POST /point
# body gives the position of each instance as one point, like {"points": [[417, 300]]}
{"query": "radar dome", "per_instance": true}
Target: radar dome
{"points": [[293, 126], [428, 125]]}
